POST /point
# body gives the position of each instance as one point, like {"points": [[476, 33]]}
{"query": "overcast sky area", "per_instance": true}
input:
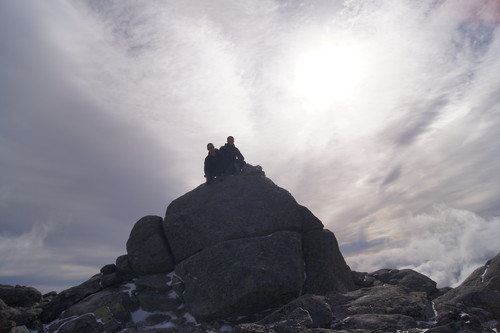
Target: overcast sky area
{"points": [[382, 117]]}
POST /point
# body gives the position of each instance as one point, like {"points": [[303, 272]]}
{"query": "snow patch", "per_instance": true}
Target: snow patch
{"points": [[492, 325], [172, 295], [171, 277], [140, 315], [434, 310], [484, 273], [131, 287], [190, 319]]}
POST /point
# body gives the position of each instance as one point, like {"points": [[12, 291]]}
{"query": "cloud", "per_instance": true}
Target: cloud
{"points": [[11, 246], [445, 244]]}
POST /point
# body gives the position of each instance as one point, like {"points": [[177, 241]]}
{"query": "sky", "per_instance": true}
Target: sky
{"points": [[379, 116]]}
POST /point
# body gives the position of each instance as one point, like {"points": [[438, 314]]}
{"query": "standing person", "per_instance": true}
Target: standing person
{"points": [[233, 160], [212, 166]]}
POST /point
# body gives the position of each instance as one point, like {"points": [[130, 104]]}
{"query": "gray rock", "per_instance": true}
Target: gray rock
{"points": [[7, 325], [448, 328], [239, 206], [155, 293], [250, 170], [243, 276], [123, 266], [112, 307], [414, 281], [478, 295], [326, 268], [28, 317], [252, 328], [84, 323], [362, 279], [465, 298], [3, 306], [68, 297], [389, 300], [407, 278], [459, 321], [147, 248], [152, 300], [160, 282], [155, 319], [6, 311], [19, 295], [383, 275], [487, 276], [108, 269], [378, 322], [20, 329], [112, 279], [297, 321], [178, 286], [316, 306]]}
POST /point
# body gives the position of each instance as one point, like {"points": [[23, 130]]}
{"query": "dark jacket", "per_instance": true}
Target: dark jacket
{"points": [[212, 165], [232, 159]]}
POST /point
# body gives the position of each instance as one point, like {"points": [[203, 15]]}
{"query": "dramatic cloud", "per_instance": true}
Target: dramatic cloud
{"points": [[445, 244], [371, 113]]}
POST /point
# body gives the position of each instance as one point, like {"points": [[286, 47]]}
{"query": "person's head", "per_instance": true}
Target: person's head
{"points": [[230, 140], [210, 147]]}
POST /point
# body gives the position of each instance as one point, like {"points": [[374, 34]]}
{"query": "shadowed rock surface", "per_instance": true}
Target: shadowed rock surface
{"points": [[147, 248], [237, 207]]}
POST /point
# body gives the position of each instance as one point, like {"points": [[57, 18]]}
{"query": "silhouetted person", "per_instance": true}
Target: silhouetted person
{"points": [[212, 163], [233, 160]]}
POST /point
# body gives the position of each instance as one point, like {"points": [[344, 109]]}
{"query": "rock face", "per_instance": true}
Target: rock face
{"points": [[243, 276], [242, 255], [478, 297], [147, 248], [238, 246], [238, 207], [325, 273], [19, 296]]}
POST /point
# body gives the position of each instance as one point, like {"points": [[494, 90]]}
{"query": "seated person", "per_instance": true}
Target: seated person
{"points": [[212, 165], [232, 160]]}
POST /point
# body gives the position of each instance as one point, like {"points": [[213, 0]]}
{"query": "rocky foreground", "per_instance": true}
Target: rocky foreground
{"points": [[241, 255]]}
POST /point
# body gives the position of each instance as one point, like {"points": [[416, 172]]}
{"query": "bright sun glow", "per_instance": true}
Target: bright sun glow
{"points": [[328, 74]]}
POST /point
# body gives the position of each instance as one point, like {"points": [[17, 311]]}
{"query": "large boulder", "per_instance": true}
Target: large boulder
{"points": [[239, 246], [237, 207], [326, 268], [390, 300], [316, 306], [487, 276], [19, 295], [68, 297], [147, 248], [83, 323], [112, 307], [478, 297], [406, 278], [243, 276]]}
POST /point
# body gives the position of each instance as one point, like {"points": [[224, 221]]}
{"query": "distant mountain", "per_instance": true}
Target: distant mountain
{"points": [[242, 255]]}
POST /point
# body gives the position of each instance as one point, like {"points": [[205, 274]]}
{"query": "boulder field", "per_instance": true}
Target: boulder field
{"points": [[241, 255]]}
